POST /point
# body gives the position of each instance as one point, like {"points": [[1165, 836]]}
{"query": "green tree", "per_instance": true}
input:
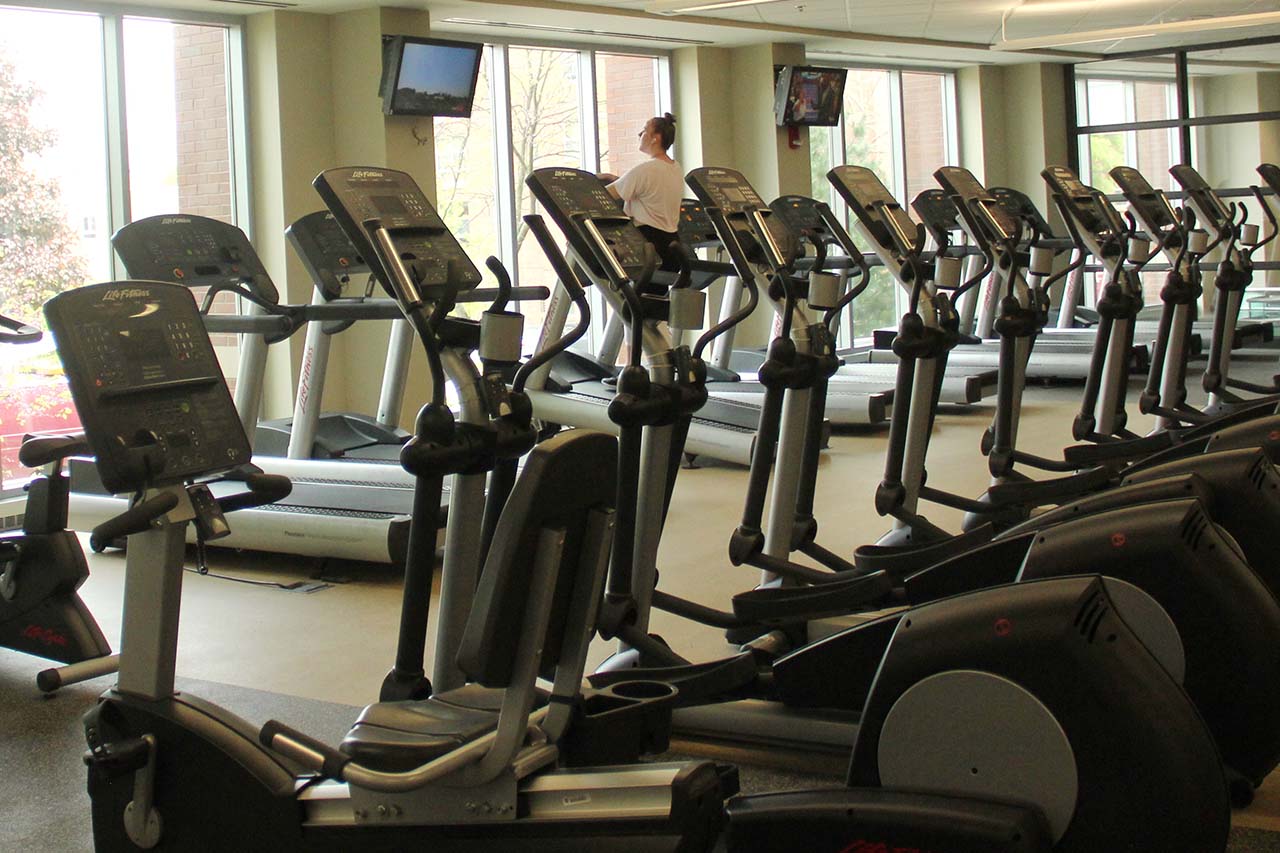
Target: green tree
{"points": [[1106, 151], [544, 119], [39, 254]]}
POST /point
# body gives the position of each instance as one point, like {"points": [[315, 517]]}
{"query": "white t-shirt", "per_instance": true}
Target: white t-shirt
{"points": [[651, 193]]}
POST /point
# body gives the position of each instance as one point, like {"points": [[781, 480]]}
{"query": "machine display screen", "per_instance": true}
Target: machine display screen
{"points": [[389, 204], [147, 344]]}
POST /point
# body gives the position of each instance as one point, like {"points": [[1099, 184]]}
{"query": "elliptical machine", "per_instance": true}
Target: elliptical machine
{"points": [[932, 797], [42, 566]]}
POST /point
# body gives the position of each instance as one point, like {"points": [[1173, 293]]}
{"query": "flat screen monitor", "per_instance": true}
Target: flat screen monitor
{"points": [[429, 77], [809, 96]]}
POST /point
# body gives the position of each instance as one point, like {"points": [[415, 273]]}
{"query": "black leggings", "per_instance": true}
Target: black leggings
{"points": [[668, 254]]}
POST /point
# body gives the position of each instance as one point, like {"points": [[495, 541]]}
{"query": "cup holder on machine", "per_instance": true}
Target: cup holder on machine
{"points": [[621, 722]]}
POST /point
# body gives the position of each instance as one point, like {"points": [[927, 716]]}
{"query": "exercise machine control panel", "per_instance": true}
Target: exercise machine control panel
{"points": [[195, 251], [357, 195], [15, 332], [1082, 204], [875, 206], [579, 203], [731, 193], [1270, 173], [1147, 204], [938, 215], [1020, 206], [800, 214], [146, 383], [968, 195], [326, 251], [696, 228], [1207, 204]]}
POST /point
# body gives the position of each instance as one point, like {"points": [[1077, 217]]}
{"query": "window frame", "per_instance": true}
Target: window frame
{"points": [[117, 147], [838, 143], [1083, 117], [497, 49], [119, 212]]}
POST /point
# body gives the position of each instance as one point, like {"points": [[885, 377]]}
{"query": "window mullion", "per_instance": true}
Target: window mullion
{"points": [[503, 155], [662, 85], [118, 202], [238, 131], [900, 166], [952, 128], [588, 113], [899, 137]]}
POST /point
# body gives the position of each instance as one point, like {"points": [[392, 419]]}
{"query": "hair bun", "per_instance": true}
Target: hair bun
{"points": [[670, 119]]}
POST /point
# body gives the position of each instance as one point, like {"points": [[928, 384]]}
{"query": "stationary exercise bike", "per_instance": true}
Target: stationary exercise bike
{"points": [[42, 566]]}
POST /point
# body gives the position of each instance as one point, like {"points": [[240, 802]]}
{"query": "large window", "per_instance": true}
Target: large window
{"points": [[535, 107], [1104, 101], [902, 125], [107, 119]]}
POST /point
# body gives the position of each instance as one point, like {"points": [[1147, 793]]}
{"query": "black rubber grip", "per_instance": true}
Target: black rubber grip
{"points": [[333, 761], [40, 450], [14, 332], [262, 489], [133, 520]]}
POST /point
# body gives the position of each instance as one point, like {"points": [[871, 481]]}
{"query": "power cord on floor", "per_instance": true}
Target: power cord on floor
{"points": [[202, 568]]}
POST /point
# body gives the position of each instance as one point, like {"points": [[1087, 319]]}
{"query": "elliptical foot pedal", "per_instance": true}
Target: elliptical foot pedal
{"points": [[879, 819]]}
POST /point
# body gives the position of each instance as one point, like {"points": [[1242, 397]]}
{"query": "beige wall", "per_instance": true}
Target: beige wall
{"points": [[724, 103], [289, 80], [1013, 122], [314, 86], [1229, 154]]}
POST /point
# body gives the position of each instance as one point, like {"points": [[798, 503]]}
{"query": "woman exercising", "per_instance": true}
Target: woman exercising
{"points": [[651, 192]]}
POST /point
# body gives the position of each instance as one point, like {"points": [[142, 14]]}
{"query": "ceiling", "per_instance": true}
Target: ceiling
{"points": [[931, 32]]}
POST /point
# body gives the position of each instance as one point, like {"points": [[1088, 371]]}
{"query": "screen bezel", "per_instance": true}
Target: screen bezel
{"points": [[392, 65], [784, 76]]}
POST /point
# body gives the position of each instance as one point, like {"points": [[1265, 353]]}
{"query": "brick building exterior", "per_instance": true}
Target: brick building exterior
{"points": [[627, 101], [204, 153]]}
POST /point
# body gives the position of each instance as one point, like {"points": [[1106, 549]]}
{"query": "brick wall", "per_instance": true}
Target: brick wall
{"points": [[204, 160], [923, 124], [1155, 155], [627, 102]]}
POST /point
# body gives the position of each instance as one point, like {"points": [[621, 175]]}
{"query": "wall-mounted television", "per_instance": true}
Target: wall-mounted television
{"points": [[805, 95], [429, 77]]}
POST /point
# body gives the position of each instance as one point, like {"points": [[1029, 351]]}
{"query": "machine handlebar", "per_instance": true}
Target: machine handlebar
{"points": [[14, 332], [40, 450], [135, 519], [260, 490], [313, 753]]}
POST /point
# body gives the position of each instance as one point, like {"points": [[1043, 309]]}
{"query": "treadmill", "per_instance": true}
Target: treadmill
{"points": [[851, 400], [576, 387], [1053, 358], [344, 509], [333, 263], [960, 384]]}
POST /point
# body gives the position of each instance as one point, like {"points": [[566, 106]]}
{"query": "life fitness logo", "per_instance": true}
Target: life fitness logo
{"points": [[122, 293], [45, 636], [359, 174], [864, 846]]}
